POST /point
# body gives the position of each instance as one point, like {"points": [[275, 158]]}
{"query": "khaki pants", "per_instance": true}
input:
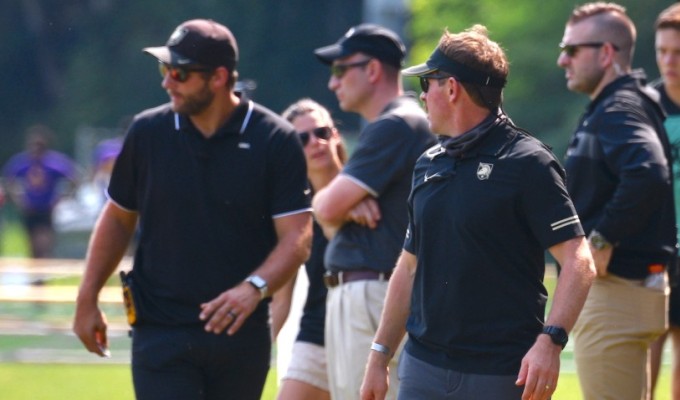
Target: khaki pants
{"points": [[619, 321], [352, 317]]}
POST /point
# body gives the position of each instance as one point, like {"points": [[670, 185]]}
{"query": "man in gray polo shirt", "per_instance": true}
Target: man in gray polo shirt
{"points": [[363, 210]]}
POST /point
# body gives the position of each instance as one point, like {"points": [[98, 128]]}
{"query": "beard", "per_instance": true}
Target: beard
{"points": [[587, 82], [196, 103]]}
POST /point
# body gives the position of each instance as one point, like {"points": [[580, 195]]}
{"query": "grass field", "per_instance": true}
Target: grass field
{"points": [[74, 382], [112, 382]]}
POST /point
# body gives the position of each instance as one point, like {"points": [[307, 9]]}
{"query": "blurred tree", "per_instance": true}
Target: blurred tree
{"points": [[73, 63]]}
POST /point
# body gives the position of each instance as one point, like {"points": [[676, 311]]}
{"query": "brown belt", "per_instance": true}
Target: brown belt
{"points": [[333, 279]]}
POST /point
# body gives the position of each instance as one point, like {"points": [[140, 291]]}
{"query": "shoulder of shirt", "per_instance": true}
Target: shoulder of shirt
{"points": [[403, 107], [515, 140], [629, 96], [266, 113], [163, 110]]}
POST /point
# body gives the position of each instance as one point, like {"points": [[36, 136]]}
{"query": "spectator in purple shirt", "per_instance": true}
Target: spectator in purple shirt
{"points": [[36, 179]]}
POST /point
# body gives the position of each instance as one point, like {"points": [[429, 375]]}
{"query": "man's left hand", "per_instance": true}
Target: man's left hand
{"points": [[230, 309], [540, 370]]}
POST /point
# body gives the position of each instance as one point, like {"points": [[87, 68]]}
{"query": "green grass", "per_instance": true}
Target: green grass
{"points": [[75, 382], [56, 382], [13, 239], [113, 382]]}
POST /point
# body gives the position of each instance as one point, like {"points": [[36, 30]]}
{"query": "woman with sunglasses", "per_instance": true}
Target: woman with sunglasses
{"points": [[325, 154]]}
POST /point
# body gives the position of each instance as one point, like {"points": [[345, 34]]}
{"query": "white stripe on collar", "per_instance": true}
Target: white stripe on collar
{"points": [[247, 118]]}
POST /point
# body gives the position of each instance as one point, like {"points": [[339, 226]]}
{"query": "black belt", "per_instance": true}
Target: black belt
{"points": [[333, 279]]}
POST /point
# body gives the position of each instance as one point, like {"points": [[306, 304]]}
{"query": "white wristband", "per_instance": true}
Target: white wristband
{"points": [[381, 349]]}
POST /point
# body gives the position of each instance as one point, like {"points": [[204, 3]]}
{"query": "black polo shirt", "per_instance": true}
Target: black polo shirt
{"points": [[619, 175], [206, 205], [479, 227]]}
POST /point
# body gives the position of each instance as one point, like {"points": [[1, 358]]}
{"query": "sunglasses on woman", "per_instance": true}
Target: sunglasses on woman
{"points": [[320, 133], [179, 74]]}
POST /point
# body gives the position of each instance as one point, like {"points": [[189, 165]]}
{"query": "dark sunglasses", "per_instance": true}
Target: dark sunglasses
{"points": [[338, 70], [425, 81], [320, 133], [571, 49], [179, 74]]}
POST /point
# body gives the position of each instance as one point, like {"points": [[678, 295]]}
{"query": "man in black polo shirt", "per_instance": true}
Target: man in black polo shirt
{"points": [[619, 175], [218, 185], [485, 204], [366, 203]]}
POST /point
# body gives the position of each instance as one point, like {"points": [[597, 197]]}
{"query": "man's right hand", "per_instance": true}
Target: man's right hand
{"points": [[602, 258], [366, 213], [89, 324]]}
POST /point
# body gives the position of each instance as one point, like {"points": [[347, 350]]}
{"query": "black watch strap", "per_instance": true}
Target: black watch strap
{"points": [[557, 334]]}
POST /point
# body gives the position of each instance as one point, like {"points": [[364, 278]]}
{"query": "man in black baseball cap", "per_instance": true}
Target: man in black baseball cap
{"points": [[231, 176], [199, 42], [373, 40], [366, 203]]}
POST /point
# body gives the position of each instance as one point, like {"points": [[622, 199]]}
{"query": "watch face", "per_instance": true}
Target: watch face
{"points": [[598, 241], [257, 281]]}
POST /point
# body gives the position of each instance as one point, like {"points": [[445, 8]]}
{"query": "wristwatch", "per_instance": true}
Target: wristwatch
{"points": [[557, 334], [598, 241], [259, 284]]}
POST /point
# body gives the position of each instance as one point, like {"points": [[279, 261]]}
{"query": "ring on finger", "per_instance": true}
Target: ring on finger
{"points": [[232, 314]]}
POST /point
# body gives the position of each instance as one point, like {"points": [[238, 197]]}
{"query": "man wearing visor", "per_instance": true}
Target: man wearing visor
{"points": [[485, 204], [219, 187]]}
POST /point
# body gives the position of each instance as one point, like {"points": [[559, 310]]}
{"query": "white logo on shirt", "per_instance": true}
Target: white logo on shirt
{"points": [[484, 171], [435, 175]]}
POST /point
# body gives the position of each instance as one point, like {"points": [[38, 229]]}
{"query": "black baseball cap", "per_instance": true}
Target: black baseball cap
{"points": [[199, 42], [371, 39]]}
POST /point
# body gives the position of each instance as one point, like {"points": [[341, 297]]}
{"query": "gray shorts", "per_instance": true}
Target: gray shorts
{"points": [[308, 365]]}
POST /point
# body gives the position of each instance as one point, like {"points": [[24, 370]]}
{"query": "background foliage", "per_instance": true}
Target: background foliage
{"points": [[74, 63]]}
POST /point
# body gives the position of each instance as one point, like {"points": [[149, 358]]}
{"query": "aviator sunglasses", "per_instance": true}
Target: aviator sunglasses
{"points": [[179, 74], [320, 133]]}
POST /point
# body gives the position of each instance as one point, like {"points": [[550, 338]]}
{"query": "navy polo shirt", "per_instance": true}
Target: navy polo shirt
{"points": [[382, 163], [206, 205], [479, 227]]}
